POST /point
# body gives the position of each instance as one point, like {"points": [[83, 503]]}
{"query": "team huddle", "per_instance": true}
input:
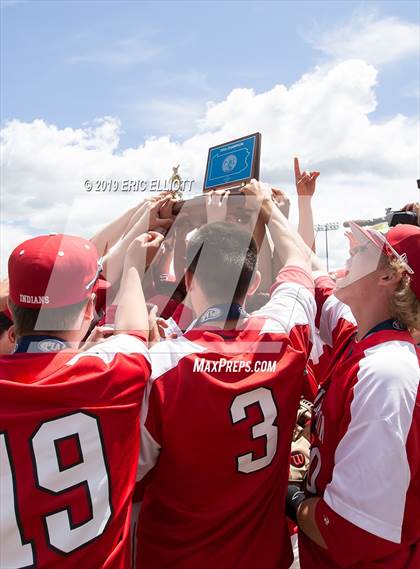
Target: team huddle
{"points": [[176, 396]]}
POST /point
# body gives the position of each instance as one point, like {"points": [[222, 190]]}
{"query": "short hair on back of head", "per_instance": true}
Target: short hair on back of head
{"points": [[223, 257], [29, 320]]}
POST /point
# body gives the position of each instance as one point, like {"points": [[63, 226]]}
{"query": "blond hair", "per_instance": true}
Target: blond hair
{"points": [[405, 305]]}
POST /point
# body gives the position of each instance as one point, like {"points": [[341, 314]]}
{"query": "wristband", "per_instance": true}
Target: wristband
{"points": [[294, 497]]}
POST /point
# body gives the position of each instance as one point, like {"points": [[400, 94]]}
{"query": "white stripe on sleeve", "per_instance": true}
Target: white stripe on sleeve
{"points": [[290, 304], [371, 473]]}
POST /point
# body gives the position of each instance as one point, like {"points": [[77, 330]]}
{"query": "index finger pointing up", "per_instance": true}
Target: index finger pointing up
{"points": [[297, 168]]}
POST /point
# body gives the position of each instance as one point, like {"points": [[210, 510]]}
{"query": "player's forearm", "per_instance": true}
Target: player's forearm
{"points": [[111, 233], [131, 313], [316, 264], [180, 256], [114, 260], [259, 229], [137, 214], [265, 265], [163, 260], [306, 221], [307, 523], [347, 544], [288, 245]]}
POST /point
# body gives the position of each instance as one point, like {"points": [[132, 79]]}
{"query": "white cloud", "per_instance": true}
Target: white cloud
{"points": [[10, 236], [376, 40], [323, 118]]}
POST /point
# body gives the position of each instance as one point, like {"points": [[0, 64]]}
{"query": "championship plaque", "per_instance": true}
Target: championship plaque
{"points": [[229, 167], [233, 164]]}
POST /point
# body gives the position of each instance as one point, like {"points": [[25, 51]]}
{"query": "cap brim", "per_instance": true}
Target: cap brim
{"points": [[380, 242], [363, 236]]}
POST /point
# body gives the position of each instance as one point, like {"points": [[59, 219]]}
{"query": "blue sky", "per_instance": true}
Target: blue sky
{"points": [[155, 65]]}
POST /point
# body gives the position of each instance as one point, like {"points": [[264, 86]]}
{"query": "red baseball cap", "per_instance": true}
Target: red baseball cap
{"points": [[405, 239], [401, 242], [53, 271]]}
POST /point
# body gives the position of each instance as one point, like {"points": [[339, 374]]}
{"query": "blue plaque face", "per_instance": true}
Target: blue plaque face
{"points": [[230, 163]]}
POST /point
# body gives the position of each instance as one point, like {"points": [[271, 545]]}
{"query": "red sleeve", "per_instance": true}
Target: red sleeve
{"points": [[324, 288], [292, 274], [310, 384], [320, 367], [334, 319], [348, 544]]}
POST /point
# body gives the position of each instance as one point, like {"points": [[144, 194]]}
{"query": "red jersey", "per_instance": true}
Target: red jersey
{"points": [[334, 323], [331, 327], [217, 424], [365, 457], [69, 441]]}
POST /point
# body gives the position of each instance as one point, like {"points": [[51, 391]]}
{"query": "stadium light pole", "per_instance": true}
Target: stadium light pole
{"points": [[330, 226]]}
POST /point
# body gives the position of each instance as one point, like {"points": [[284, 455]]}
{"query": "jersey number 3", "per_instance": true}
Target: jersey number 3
{"points": [[264, 398], [51, 476]]}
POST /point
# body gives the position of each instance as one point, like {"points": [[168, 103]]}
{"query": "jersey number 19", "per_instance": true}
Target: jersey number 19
{"points": [[51, 476]]}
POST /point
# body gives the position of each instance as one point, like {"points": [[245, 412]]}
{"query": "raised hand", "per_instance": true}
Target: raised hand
{"points": [[216, 205], [414, 207], [160, 214], [152, 213], [305, 182], [281, 199], [143, 249], [258, 199], [259, 190]]}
